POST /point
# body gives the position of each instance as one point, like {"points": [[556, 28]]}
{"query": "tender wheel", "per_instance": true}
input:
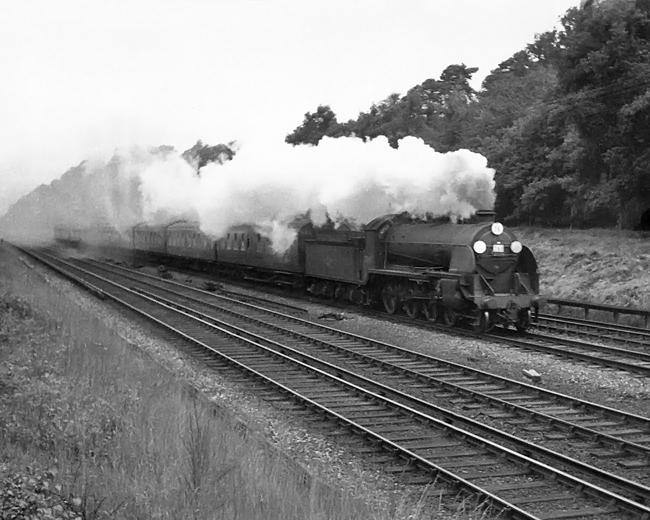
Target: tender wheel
{"points": [[320, 288], [328, 291], [430, 310], [357, 296], [412, 308], [390, 299], [449, 317], [523, 321]]}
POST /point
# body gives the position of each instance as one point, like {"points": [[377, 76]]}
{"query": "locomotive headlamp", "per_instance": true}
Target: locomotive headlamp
{"points": [[497, 228], [480, 247], [516, 247]]}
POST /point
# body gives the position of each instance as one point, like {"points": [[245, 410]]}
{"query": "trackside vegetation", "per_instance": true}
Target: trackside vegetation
{"points": [[564, 121], [91, 429]]}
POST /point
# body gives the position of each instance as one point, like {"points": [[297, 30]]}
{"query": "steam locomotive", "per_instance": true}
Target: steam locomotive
{"points": [[474, 271]]}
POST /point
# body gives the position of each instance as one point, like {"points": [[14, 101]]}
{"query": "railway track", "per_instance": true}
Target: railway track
{"points": [[591, 353], [629, 336], [550, 335], [606, 434], [404, 423], [632, 353]]}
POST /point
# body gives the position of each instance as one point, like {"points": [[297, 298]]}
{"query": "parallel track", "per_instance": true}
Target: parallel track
{"points": [[634, 337], [609, 433], [419, 440]]}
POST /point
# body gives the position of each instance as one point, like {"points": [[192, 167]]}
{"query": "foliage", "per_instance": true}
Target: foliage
{"points": [[603, 73], [315, 126], [201, 154], [89, 429], [436, 111], [32, 494], [564, 121]]}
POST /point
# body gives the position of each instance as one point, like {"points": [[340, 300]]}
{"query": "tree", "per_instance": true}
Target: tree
{"points": [[604, 73], [201, 154], [315, 126], [436, 111]]}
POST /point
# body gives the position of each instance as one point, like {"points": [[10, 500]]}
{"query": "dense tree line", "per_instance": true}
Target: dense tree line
{"points": [[565, 122]]}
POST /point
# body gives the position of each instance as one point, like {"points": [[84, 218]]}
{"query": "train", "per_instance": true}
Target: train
{"points": [[473, 271]]}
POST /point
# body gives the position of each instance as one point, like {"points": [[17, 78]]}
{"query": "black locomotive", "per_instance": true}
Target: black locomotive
{"points": [[474, 271]]}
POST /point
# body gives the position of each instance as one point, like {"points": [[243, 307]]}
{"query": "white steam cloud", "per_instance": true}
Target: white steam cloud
{"points": [[345, 179]]}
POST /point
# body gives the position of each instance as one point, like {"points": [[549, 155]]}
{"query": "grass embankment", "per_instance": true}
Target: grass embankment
{"points": [[89, 429], [596, 265]]}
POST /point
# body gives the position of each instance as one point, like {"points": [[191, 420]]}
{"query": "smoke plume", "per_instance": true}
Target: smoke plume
{"points": [[343, 180]]}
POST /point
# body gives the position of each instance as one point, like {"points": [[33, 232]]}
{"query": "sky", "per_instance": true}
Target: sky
{"points": [[79, 79]]}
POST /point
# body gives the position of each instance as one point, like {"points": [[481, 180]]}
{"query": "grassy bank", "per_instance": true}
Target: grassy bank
{"points": [[597, 265], [91, 429]]}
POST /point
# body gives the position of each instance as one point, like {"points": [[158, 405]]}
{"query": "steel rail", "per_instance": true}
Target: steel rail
{"points": [[527, 344], [108, 266], [617, 333], [616, 362], [616, 327], [527, 447], [611, 412], [542, 469], [540, 416]]}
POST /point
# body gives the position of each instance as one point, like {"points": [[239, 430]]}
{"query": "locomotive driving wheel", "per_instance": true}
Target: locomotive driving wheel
{"points": [[430, 310], [412, 308], [390, 299], [449, 317]]}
